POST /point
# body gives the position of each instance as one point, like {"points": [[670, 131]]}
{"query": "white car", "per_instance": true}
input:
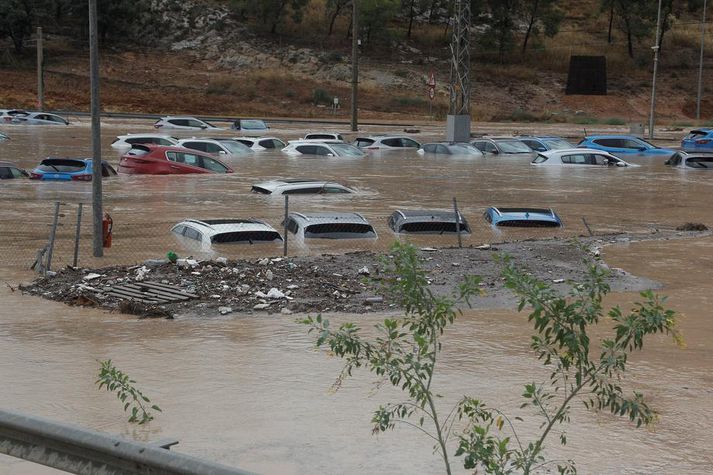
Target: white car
{"points": [[262, 143], [221, 147], [124, 142], [39, 118], [692, 160], [206, 232], [325, 148], [299, 187], [386, 142], [6, 115], [336, 225], [579, 157], [323, 136], [183, 123]]}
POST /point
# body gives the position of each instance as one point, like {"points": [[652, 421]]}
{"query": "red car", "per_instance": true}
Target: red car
{"points": [[149, 159]]}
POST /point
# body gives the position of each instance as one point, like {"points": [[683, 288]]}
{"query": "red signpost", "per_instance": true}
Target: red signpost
{"points": [[431, 91]]}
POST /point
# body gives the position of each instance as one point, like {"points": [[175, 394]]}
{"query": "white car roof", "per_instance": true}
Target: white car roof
{"points": [[315, 141], [567, 151], [158, 136], [219, 226], [273, 185], [180, 117]]}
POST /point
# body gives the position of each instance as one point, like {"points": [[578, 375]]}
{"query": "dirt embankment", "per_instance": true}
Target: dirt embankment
{"points": [[349, 283]]}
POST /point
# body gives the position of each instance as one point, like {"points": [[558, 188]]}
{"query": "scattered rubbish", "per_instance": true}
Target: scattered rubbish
{"points": [[692, 227], [261, 306], [187, 263], [455, 264], [141, 273], [483, 247], [364, 271], [155, 262], [221, 260], [373, 300], [91, 276], [225, 310], [264, 262], [558, 281], [429, 249], [269, 275], [273, 293], [172, 257]]}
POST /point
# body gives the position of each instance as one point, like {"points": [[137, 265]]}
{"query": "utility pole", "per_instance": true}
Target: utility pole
{"points": [[458, 121], [355, 63], [700, 62], [40, 72], [97, 212], [656, 48]]}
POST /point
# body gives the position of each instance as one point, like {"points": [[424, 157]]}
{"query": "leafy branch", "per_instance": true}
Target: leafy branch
{"points": [[115, 380]]}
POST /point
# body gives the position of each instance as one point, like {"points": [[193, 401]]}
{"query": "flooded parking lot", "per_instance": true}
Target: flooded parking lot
{"points": [[250, 391]]}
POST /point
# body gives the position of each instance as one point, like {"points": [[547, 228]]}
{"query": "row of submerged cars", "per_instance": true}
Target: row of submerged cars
{"points": [[204, 233]]}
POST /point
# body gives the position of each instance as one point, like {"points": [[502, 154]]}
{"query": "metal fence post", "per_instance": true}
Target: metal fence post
{"points": [[284, 224], [53, 235], [455, 210], [76, 236]]}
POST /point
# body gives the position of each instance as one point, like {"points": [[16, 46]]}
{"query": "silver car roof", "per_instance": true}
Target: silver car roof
{"points": [[307, 219]]}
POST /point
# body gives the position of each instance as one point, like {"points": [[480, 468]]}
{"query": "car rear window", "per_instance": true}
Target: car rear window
{"points": [[59, 165], [525, 210], [246, 237], [529, 223], [319, 137], [432, 227], [700, 162], [696, 134], [339, 230]]}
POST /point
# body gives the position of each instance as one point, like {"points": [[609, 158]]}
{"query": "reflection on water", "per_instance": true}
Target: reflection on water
{"points": [[251, 391]]}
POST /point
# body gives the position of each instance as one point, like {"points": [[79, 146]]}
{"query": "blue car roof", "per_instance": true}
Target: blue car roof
{"points": [[614, 136]]}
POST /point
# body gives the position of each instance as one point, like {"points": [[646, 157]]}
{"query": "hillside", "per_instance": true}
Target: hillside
{"points": [[205, 60]]}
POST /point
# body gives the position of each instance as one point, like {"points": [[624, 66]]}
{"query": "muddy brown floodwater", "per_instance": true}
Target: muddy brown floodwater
{"points": [[250, 391]]}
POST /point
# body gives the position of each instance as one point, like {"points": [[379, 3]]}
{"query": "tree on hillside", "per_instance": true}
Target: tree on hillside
{"points": [[16, 21], [540, 14], [374, 16], [499, 19], [334, 8], [116, 19], [636, 20], [270, 12]]}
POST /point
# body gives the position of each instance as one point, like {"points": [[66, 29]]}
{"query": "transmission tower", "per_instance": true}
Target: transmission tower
{"points": [[458, 126]]}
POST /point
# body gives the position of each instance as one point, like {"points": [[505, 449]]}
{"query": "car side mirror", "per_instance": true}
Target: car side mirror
{"points": [[620, 164], [222, 152], [330, 154], [641, 149], [204, 127], [495, 152]]}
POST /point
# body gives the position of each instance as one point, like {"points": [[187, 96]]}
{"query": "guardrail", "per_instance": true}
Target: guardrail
{"points": [[77, 450]]}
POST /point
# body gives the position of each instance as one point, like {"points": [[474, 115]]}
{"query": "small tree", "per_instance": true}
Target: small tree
{"points": [[406, 351], [116, 381]]}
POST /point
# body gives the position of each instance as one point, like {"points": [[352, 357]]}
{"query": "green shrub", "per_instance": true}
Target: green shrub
{"points": [[321, 96]]}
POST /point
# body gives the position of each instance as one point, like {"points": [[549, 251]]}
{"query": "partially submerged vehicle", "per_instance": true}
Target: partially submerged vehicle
{"points": [[324, 148], [698, 140], [545, 143], [9, 171], [39, 118], [692, 160], [386, 142], [427, 222], [220, 147], [503, 147], [149, 159], [579, 157], [323, 136], [226, 231], [260, 144], [3, 137], [329, 226], [249, 125], [183, 123], [69, 169], [6, 115], [450, 148], [124, 142], [625, 146], [523, 217], [299, 187]]}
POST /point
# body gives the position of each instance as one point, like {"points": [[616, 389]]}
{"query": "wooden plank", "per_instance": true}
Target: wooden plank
{"points": [[163, 289], [128, 294], [158, 293], [170, 288]]}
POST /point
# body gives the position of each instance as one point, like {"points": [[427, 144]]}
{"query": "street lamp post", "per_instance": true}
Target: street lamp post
{"points": [[97, 212], [656, 48], [355, 64], [700, 62]]}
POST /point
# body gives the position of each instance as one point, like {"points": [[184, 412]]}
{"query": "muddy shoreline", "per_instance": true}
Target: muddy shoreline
{"points": [[346, 283]]}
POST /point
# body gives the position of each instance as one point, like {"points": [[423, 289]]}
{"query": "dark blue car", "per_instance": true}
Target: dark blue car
{"points": [[626, 146], [699, 140], [68, 169]]}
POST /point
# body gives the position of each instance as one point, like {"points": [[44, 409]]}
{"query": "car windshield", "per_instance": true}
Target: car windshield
{"points": [[696, 134], [207, 123], [66, 166], [252, 124], [512, 146], [645, 143], [464, 149], [339, 230], [346, 150], [246, 237], [236, 148], [557, 144], [700, 162]]}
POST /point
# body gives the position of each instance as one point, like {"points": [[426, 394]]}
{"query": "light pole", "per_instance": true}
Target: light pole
{"points": [[97, 212], [652, 113], [700, 62], [355, 63]]}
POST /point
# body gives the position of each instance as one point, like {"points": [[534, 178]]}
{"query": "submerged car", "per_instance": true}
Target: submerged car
{"points": [[3, 137], [545, 143], [259, 144], [299, 187], [226, 231], [503, 146], [148, 159], [427, 222], [386, 142], [692, 160], [450, 148], [329, 226], [699, 140], [579, 157], [183, 123], [9, 171], [523, 217], [625, 146], [39, 118], [68, 169], [124, 142], [6, 115], [249, 125], [323, 136], [221, 147], [325, 148]]}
